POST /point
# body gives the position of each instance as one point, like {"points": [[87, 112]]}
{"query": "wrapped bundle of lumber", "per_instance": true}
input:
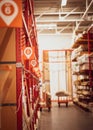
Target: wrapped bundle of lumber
{"points": [[62, 93]]}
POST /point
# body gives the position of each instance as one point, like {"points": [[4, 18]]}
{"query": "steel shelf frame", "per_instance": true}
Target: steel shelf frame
{"points": [[27, 37], [84, 101]]}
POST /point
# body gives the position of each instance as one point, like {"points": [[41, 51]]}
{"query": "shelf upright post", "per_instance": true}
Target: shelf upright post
{"points": [[89, 52], [18, 81], [28, 43]]}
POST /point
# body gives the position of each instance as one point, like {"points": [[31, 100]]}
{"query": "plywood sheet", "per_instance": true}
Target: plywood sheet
{"points": [[8, 118], [8, 85], [8, 113], [7, 44], [2, 34]]}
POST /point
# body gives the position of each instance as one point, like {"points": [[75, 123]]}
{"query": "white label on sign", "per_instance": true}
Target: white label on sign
{"points": [[8, 11], [28, 52], [33, 63], [18, 64]]}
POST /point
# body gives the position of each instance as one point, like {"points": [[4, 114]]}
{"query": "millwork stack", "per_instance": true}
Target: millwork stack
{"points": [[82, 57]]}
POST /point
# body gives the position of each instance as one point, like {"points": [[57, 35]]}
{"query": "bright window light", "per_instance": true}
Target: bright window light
{"points": [[64, 2]]}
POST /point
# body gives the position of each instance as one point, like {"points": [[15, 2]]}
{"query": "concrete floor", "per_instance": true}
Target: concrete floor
{"points": [[63, 118]]}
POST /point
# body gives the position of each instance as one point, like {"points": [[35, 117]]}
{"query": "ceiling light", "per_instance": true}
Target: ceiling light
{"points": [[63, 2]]}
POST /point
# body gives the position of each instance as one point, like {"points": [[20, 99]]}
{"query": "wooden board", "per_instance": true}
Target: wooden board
{"points": [[8, 118], [7, 45], [8, 115], [8, 85]]}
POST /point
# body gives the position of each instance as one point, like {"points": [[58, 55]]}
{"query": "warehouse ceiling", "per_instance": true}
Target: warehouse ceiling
{"points": [[52, 18]]}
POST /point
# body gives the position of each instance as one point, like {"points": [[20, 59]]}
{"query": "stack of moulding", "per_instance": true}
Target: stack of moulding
{"points": [[7, 80], [84, 59], [75, 77], [82, 49], [86, 67], [74, 54], [76, 68], [83, 77]]}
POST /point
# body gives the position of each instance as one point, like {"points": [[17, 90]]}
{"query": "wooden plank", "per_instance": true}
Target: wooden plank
{"points": [[8, 118], [7, 45], [8, 85]]}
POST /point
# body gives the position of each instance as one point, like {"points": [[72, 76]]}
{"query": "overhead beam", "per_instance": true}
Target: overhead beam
{"points": [[62, 13], [60, 20], [65, 28], [40, 15], [65, 34], [62, 28], [84, 15], [69, 13], [77, 25]]}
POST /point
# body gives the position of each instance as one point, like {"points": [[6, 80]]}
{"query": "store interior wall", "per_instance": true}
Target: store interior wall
{"points": [[57, 72], [50, 41]]}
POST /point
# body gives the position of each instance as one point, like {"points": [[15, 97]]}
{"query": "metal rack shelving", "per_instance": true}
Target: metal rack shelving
{"points": [[27, 79], [84, 95]]}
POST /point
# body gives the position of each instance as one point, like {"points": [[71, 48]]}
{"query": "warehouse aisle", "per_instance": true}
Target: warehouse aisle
{"points": [[71, 118]]}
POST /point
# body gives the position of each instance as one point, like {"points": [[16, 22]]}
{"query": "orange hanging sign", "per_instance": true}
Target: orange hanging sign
{"points": [[33, 63], [28, 53], [10, 13]]}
